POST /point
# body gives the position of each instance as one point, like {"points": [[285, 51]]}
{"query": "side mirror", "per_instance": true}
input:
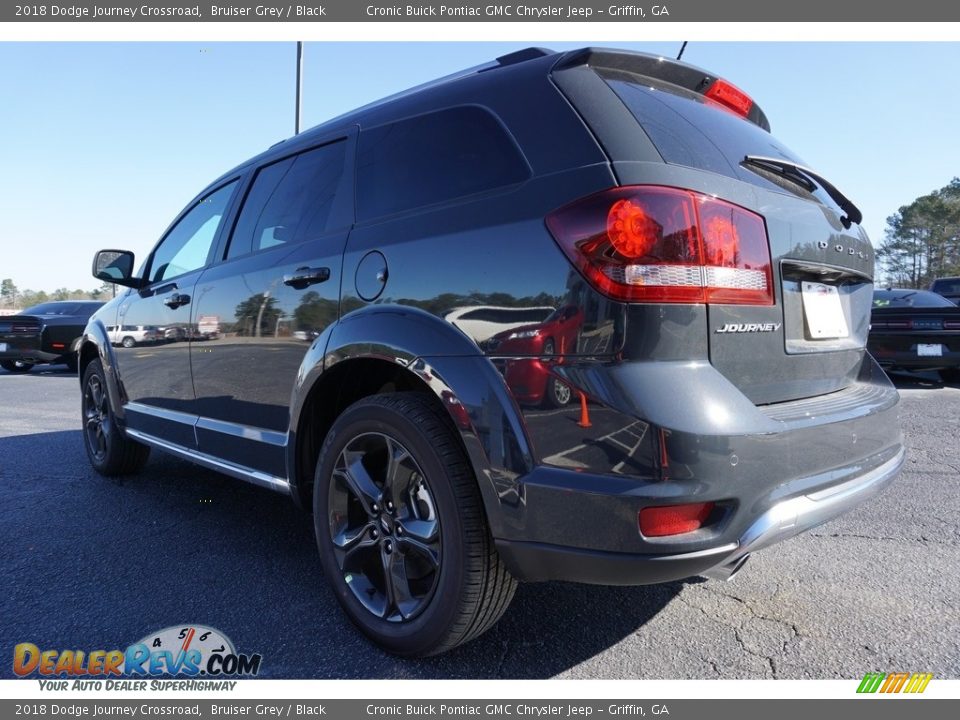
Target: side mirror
{"points": [[115, 266]]}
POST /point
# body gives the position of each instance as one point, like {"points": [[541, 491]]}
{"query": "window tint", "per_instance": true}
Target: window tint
{"points": [[909, 298], [433, 158], [290, 201], [689, 130], [946, 285], [187, 246]]}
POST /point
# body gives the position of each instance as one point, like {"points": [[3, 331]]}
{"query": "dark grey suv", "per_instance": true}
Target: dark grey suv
{"points": [[566, 316]]}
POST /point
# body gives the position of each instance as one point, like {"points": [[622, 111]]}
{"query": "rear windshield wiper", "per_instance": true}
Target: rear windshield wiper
{"points": [[810, 181]]}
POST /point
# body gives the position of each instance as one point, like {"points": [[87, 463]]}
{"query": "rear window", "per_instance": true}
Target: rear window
{"points": [[689, 130], [63, 308], [949, 286], [909, 298], [434, 158]]}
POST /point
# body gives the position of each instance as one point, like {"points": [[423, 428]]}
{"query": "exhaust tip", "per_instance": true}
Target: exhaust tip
{"points": [[727, 570]]}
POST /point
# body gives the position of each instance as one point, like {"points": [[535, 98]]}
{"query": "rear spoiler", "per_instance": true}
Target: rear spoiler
{"points": [[669, 71]]}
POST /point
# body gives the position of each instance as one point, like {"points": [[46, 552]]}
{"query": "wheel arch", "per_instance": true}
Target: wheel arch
{"points": [[396, 349], [95, 344]]}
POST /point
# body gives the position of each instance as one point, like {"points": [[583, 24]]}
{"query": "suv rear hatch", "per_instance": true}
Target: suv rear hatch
{"points": [[673, 126]]}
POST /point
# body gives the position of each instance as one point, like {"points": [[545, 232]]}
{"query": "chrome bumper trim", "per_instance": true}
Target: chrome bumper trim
{"points": [[796, 515]]}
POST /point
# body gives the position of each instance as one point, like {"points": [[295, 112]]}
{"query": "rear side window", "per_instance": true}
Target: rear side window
{"points": [[290, 201], [434, 158]]}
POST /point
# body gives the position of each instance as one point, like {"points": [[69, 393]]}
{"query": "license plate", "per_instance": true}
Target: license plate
{"points": [[3, 347], [925, 350], [824, 313]]}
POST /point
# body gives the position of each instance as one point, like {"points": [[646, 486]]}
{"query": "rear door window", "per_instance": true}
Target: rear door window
{"points": [[434, 158], [291, 201]]}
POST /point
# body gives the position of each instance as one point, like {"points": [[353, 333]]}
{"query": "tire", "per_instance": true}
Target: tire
{"points": [[557, 394], [950, 376], [424, 520], [128, 342], [110, 451], [15, 366]]}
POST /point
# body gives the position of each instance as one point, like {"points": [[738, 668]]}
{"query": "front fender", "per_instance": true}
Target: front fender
{"points": [[95, 335], [451, 365]]}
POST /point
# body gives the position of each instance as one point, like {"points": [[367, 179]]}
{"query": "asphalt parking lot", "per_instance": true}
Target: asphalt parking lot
{"points": [[94, 564]]}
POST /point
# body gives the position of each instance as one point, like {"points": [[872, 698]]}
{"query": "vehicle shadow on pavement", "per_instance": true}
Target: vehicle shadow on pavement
{"points": [[919, 381], [43, 371], [92, 563]]}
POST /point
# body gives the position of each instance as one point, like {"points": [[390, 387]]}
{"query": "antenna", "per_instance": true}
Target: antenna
{"points": [[682, 48], [297, 111]]}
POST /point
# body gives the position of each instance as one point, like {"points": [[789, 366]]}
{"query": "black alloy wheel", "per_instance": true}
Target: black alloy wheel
{"points": [[109, 450], [97, 421], [401, 528], [384, 527]]}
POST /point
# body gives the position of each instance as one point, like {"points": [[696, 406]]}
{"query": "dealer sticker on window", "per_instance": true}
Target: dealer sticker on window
{"points": [[823, 311]]}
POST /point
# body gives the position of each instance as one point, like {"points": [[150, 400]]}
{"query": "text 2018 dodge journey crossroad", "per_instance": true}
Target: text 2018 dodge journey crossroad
{"points": [[709, 392]]}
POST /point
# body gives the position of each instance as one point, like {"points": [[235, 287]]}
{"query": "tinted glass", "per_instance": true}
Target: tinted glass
{"points": [[909, 298], [949, 286], [187, 246], [290, 201], [433, 158], [689, 130], [64, 308]]}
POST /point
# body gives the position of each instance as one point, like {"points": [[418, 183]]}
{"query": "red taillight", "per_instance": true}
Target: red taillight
{"points": [[674, 519], [730, 96], [645, 243], [58, 346]]}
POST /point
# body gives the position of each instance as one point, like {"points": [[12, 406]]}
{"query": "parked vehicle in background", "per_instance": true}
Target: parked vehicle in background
{"points": [[714, 299], [482, 321], [129, 336], [530, 378], [915, 330], [45, 333], [949, 287]]}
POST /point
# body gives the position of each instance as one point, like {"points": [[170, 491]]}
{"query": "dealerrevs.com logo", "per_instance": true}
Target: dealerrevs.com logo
{"points": [[181, 651]]}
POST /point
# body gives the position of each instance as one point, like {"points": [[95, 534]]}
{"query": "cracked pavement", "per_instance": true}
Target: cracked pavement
{"points": [[95, 564]]}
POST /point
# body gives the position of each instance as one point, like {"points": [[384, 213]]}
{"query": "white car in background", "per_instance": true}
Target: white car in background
{"points": [[130, 335], [482, 322]]}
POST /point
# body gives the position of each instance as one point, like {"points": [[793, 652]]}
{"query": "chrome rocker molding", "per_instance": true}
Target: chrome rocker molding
{"points": [[238, 471], [791, 517]]}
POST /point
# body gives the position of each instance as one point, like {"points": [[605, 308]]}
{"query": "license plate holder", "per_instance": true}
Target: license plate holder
{"points": [[929, 350], [823, 311]]}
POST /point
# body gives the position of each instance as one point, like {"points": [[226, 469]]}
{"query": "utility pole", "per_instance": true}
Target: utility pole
{"points": [[296, 120]]}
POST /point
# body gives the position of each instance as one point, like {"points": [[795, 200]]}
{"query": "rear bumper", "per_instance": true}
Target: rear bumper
{"points": [[776, 471], [534, 561]]}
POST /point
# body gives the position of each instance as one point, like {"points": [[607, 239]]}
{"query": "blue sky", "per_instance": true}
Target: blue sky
{"points": [[103, 143]]}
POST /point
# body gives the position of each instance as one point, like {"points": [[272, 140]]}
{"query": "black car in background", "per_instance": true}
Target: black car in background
{"points": [[715, 297], [45, 333], [915, 330], [949, 287]]}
